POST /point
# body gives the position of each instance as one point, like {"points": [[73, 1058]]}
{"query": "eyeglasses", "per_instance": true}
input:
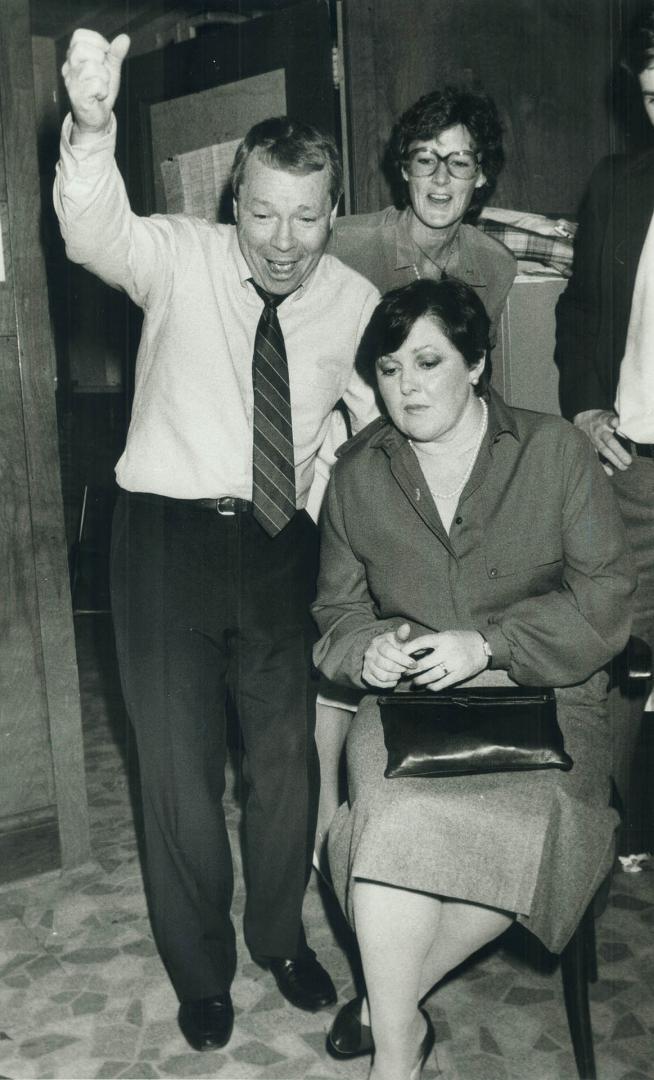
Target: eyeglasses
{"points": [[461, 164]]}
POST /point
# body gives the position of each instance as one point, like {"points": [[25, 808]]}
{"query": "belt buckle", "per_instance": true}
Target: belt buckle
{"points": [[223, 511]]}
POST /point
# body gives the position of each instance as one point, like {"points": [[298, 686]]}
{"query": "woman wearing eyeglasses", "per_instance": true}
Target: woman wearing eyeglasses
{"points": [[445, 155]]}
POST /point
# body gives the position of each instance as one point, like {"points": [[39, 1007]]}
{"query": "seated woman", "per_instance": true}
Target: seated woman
{"points": [[445, 155], [490, 535]]}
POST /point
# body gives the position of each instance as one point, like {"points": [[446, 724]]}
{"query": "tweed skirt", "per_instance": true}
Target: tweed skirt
{"points": [[537, 844]]}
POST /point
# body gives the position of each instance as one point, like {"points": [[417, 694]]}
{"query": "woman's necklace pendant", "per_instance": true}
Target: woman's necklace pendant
{"points": [[429, 261]]}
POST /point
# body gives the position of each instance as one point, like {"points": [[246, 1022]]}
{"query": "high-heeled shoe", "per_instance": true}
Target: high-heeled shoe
{"points": [[348, 1037], [426, 1047]]}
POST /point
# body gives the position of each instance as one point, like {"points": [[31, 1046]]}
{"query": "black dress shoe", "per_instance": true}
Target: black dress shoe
{"points": [[206, 1023], [348, 1037], [303, 981]]}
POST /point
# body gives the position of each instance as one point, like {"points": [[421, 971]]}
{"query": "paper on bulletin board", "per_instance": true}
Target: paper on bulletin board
{"points": [[213, 117], [194, 182]]}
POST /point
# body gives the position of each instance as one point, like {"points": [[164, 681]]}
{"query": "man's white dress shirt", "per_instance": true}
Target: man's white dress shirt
{"points": [[634, 402]]}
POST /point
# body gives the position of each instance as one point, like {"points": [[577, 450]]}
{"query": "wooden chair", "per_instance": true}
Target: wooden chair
{"points": [[579, 958]]}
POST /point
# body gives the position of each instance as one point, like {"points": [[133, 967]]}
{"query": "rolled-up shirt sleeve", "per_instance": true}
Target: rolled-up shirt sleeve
{"points": [[361, 403], [359, 397]]}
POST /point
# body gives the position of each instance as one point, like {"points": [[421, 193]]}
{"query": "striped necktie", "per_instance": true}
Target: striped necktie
{"points": [[273, 468]]}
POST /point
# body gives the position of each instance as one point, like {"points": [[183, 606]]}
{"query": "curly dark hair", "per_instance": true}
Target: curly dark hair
{"points": [[432, 114], [451, 303], [638, 49]]}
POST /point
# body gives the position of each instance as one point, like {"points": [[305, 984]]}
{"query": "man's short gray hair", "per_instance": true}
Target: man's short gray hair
{"points": [[292, 146]]}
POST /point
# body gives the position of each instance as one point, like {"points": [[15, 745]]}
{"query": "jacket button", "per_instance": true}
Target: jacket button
{"points": [[458, 520], [492, 572]]}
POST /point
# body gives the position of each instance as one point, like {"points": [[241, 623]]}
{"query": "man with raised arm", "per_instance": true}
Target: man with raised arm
{"points": [[248, 341]]}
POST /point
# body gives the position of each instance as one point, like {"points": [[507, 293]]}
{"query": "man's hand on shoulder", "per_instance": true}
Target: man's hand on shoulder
{"points": [[600, 426], [92, 77]]}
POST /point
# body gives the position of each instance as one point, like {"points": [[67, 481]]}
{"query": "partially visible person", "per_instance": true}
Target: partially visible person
{"points": [[490, 536], [445, 154], [605, 351], [248, 341]]}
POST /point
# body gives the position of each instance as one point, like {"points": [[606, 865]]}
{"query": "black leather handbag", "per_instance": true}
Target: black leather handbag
{"points": [[477, 729]]}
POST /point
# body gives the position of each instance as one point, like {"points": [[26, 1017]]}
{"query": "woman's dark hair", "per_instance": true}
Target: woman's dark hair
{"points": [[434, 113], [293, 146], [452, 304], [638, 50]]}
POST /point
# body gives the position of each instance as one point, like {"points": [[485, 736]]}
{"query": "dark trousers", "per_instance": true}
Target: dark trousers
{"points": [[634, 489], [206, 605]]}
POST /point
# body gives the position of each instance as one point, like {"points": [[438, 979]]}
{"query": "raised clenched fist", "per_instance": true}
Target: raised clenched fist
{"points": [[92, 77]]}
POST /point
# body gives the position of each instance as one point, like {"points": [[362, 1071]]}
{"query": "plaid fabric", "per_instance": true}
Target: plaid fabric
{"points": [[552, 251]]}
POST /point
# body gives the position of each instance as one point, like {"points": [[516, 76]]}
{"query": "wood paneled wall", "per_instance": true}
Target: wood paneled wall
{"points": [[41, 766], [547, 63]]}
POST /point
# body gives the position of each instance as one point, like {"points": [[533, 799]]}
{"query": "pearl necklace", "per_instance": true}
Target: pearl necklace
{"points": [[480, 435]]}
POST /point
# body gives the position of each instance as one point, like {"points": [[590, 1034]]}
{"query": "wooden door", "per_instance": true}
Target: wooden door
{"points": [[43, 809], [547, 64]]}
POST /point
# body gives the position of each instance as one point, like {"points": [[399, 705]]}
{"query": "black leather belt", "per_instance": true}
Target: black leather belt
{"points": [[226, 506], [636, 449]]}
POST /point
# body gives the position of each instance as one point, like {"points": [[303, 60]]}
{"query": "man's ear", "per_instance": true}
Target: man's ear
{"points": [[332, 216]]}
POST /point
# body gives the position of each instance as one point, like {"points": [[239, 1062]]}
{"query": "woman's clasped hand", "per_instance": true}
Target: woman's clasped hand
{"points": [[432, 661]]}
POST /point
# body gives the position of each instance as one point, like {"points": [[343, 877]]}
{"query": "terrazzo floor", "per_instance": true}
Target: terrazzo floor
{"points": [[83, 993]]}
